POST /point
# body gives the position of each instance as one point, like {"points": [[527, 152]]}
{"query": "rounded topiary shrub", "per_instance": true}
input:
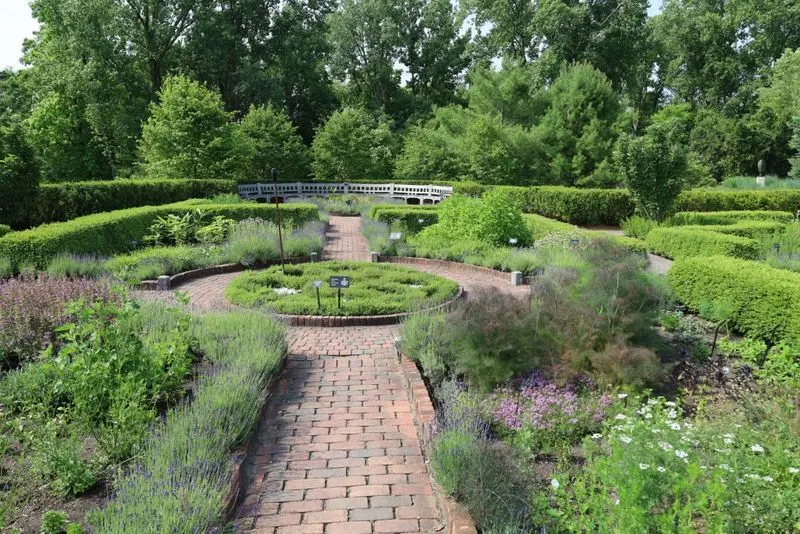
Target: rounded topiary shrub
{"points": [[375, 289]]}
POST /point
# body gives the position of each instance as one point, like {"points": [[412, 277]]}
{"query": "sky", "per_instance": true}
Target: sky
{"points": [[16, 23]]}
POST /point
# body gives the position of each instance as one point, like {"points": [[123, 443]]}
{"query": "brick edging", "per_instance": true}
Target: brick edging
{"points": [[458, 266], [333, 321], [194, 274], [245, 450], [457, 518]]}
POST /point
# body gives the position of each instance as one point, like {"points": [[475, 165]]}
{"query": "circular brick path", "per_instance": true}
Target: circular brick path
{"points": [[337, 450]]}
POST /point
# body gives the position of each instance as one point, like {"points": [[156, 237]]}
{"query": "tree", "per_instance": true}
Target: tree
{"points": [[19, 175], [189, 134], [652, 168], [795, 145], [429, 154], [274, 144], [512, 92], [499, 154], [353, 145], [577, 131]]}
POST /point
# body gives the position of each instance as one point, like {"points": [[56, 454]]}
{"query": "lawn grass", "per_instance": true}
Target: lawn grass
{"points": [[376, 289]]}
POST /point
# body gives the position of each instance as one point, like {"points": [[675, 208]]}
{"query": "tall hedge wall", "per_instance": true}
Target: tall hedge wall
{"points": [[586, 207], [409, 216], [765, 301], [122, 230], [682, 242], [710, 200], [65, 201], [753, 229]]}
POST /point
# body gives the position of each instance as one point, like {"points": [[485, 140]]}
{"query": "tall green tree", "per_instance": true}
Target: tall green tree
{"points": [[189, 134], [274, 144], [19, 175], [579, 128], [353, 145], [652, 167]]}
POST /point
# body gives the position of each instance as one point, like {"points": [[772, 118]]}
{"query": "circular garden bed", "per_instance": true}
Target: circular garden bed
{"points": [[374, 289]]}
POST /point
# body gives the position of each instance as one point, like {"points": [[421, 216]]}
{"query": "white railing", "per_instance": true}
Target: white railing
{"points": [[303, 189]]}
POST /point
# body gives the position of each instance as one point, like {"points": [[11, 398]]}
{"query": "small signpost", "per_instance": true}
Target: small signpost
{"points": [[339, 282], [317, 285]]}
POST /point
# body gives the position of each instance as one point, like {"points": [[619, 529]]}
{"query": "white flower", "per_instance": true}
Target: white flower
{"points": [[652, 402], [767, 479], [655, 430], [794, 470], [671, 414], [757, 448], [660, 469], [597, 436], [622, 395], [727, 441], [644, 466], [727, 435], [675, 426], [555, 484], [620, 416], [665, 446], [681, 454], [670, 404], [648, 416], [726, 467], [625, 439]]}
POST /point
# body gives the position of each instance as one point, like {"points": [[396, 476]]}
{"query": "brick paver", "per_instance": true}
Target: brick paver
{"points": [[338, 446], [345, 241]]}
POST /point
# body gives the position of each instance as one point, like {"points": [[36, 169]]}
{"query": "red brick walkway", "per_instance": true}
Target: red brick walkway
{"points": [[337, 449]]}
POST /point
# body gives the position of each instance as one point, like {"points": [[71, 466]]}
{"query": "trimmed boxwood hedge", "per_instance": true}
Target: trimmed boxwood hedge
{"points": [[586, 207], [65, 201], [680, 242], [728, 217], [709, 200], [407, 215], [120, 231], [765, 301], [4, 229], [752, 229]]}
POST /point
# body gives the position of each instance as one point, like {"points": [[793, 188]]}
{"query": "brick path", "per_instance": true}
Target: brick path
{"points": [[337, 449]]}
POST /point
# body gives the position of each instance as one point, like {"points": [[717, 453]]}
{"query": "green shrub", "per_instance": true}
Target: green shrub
{"points": [[681, 242], [584, 207], [542, 226], [424, 338], [4, 229], [727, 217], [121, 231], [68, 200], [254, 241], [189, 228], [6, 268], [181, 479], [638, 227], [413, 219], [712, 200], [765, 301], [749, 182], [54, 522]]}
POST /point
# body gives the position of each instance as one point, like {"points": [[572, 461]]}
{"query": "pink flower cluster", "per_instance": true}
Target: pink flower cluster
{"points": [[542, 404]]}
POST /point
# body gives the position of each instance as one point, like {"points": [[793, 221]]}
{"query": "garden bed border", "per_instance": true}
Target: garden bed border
{"points": [[194, 274], [457, 519]]}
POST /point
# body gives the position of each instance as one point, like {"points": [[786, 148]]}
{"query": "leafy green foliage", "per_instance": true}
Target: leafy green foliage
{"points": [[728, 217], [180, 480], [189, 134], [19, 175], [376, 289], [764, 299], [638, 227], [412, 218], [585, 207], [274, 144], [681, 242], [493, 219], [352, 145], [577, 130], [709, 200], [652, 168], [189, 228], [729, 470]]}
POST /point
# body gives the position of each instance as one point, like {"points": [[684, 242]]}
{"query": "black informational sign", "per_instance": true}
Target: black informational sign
{"points": [[339, 282]]}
